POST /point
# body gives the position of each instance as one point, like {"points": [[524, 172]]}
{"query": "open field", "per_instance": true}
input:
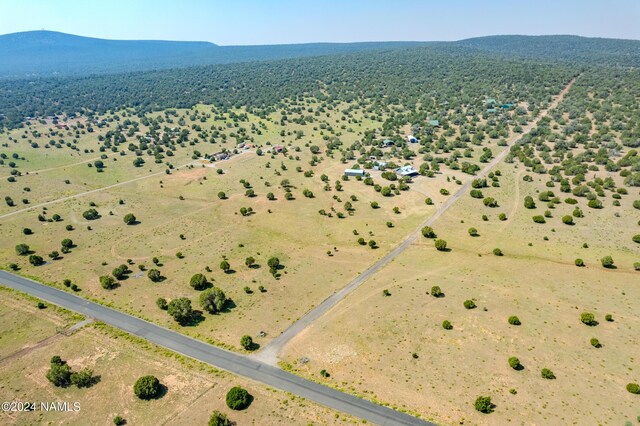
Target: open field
{"points": [[193, 390], [373, 337]]}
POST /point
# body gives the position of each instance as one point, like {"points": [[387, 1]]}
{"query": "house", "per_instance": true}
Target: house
{"points": [[434, 123], [412, 139], [373, 157], [278, 148], [219, 156], [379, 165], [407, 170], [507, 106], [354, 172], [387, 142]]}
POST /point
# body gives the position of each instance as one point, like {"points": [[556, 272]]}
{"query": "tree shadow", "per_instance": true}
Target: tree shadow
{"points": [[162, 391], [520, 367], [195, 319], [230, 271], [228, 306]]}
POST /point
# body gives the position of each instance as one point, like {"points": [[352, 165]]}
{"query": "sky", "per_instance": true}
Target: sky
{"points": [[242, 22]]}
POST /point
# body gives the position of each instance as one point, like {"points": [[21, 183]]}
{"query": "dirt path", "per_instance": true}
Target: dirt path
{"points": [[269, 354]]}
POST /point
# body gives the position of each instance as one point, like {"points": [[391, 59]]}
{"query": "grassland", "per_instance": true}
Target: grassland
{"points": [[193, 390]]}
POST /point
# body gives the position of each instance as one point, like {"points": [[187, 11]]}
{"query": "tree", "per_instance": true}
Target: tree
{"points": [[497, 252], [213, 300], [473, 232], [82, 378], [386, 191], [595, 343], [246, 342], [270, 196], [119, 421], [567, 220], [154, 275], [66, 243], [579, 262], [249, 262], [219, 419], [607, 261], [441, 245], [108, 282], [91, 214], [274, 264], [436, 291], [588, 318], [633, 388], [198, 282], [469, 304], [180, 309], [22, 249], [119, 272], [636, 238], [514, 363], [238, 398], [225, 266], [373, 244], [547, 374], [428, 232], [147, 387], [60, 373], [483, 404], [514, 320], [161, 302], [36, 260], [130, 219], [222, 195], [446, 324]]}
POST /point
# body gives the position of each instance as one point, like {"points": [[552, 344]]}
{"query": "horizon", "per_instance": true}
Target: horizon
{"points": [[252, 22]]}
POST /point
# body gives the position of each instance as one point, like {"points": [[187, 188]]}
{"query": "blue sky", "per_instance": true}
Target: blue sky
{"points": [[290, 21]]}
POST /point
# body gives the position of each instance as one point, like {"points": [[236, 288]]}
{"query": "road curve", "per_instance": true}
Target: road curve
{"points": [[269, 354], [217, 357]]}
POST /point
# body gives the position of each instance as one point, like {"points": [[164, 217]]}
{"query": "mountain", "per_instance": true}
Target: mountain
{"points": [[563, 48], [49, 53]]}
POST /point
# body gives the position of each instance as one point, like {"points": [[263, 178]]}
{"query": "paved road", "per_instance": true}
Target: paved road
{"points": [[269, 354], [217, 357]]}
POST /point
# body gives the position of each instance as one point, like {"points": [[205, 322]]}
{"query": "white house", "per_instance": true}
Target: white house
{"points": [[412, 139], [407, 170]]}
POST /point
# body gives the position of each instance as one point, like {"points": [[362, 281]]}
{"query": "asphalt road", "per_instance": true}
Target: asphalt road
{"points": [[217, 357], [269, 354]]}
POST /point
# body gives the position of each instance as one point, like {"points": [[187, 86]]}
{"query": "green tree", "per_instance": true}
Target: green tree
{"points": [[567, 220], [547, 374], [633, 388], [446, 324], [180, 309], [225, 266], [595, 343], [213, 300], [483, 404], [219, 419], [91, 214], [441, 245], [83, 378], [249, 262], [246, 342], [147, 387], [154, 275], [22, 249], [59, 373], [108, 282], [514, 363], [469, 304], [66, 243], [198, 282], [428, 232], [514, 320], [607, 261], [238, 398], [36, 260], [130, 219], [436, 291], [588, 318]]}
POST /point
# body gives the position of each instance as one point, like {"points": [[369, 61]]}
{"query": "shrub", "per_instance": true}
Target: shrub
{"points": [[22, 249], [161, 302], [198, 282], [246, 342], [446, 324], [483, 404], [219, 419], [147, 387], [473, 232], [428, 232], [608, 318], [154, 275], [547, 374], [469, 304], [83, 378], [514, 363], [324, 373], [213, 300], [130, 219], [436, 291], [633, 388], [588, 318], [497, 252], [91, 214], [567, 220], [595, 343], [238, 398], [514, 320], [108, 282], [441, 245], [579, 262], [490, 202], [529, 203], [36, 260], [60, 373], [539, 219], [119, 421], [607, 261], [180, 309]]}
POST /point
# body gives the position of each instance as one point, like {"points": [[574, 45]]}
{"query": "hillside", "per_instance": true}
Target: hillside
{"points": [[49, 53]]}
